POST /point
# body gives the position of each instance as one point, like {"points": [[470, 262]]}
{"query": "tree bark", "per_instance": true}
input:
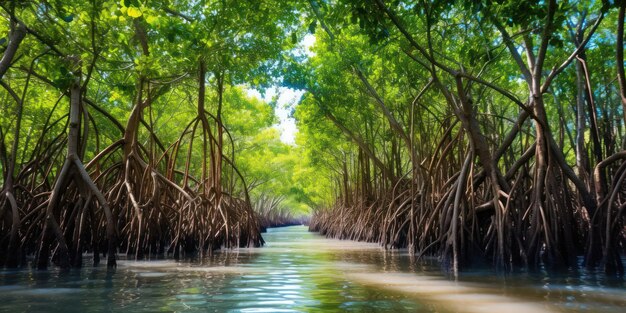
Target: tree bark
{"points": [[17, 34]]}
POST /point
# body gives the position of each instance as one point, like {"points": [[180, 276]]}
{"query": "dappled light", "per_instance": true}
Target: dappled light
{"points": [[429, 147], [288, 275]]}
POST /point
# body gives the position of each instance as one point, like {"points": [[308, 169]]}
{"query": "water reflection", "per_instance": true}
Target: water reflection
{"points": [[302, 272]]}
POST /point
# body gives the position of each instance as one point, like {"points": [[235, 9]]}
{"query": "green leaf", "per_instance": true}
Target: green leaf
{"points": [[151, 19], [133, 12]]}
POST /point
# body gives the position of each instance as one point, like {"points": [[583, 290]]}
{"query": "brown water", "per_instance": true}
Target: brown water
{"points": [[300, 271]]}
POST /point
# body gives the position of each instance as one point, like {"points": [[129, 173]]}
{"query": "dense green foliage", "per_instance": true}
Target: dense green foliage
{"points": [[161, 138], [475, 131]]}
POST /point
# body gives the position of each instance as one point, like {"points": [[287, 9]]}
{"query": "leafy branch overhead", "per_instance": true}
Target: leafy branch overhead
{"points": [[473, 131]]}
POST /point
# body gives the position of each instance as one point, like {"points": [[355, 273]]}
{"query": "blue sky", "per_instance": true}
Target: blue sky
{"points": [[286, 99]]}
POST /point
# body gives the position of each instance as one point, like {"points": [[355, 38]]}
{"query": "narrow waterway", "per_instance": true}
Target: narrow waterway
{"points": [[298, 271]]}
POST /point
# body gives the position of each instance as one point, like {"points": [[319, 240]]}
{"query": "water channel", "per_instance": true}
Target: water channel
{"points": [[299, 271]]}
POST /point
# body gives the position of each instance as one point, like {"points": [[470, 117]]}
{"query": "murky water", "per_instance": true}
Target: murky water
{"points": [[302, 272]]}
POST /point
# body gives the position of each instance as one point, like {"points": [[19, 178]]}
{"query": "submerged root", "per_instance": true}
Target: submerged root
{"points": [[468, 219]]}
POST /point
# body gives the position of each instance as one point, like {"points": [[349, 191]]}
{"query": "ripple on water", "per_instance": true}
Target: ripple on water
{"points": [[282, 287], [447, 294], [10, 288], [190, 296], [152, 274], [148, 264], [302, 273], [263, 310], [46, 292]]}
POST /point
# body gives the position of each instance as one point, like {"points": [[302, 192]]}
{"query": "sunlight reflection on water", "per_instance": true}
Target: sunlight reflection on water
{"points": [[298, 272]]}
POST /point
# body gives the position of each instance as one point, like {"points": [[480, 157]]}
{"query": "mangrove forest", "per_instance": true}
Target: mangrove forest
{"points": [[463, 134]]}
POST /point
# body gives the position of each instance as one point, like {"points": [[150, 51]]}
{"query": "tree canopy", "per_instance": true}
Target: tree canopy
{"points": [[475, 131]]}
